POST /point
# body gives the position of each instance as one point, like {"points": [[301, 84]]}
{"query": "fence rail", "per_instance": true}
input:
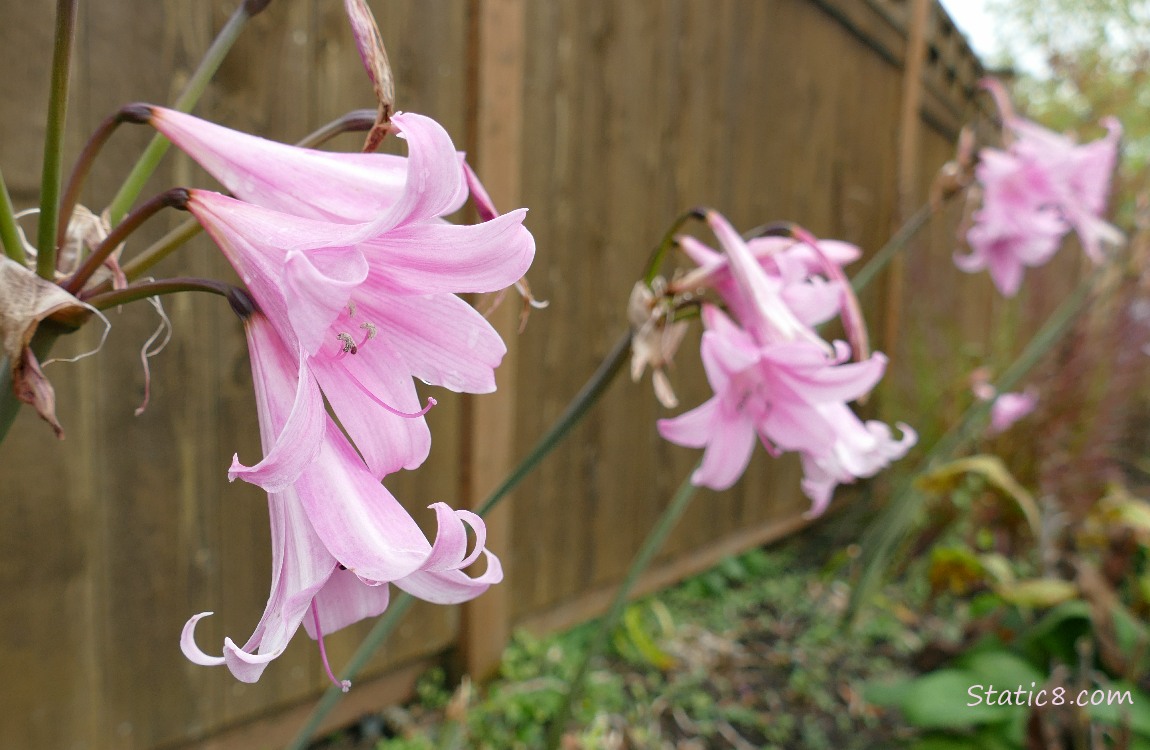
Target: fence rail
{"points": [[607, 119]]}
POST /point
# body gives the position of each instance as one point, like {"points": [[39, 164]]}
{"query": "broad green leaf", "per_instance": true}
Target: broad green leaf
{"points": [[1003, 669], [1038, 593], [994, 471], [939, 700], [1134, 710]]}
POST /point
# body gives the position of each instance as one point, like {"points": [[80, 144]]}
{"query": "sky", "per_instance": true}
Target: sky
{"points": [[979, 27], [972, 20]]}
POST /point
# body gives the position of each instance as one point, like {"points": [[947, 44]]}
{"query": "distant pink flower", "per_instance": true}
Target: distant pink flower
{"points": [[792, 396], [1034, 192], [793, 264], [349, 258], [1015, 227], [1079, 177], [1008, 408], [338, 536], [774, 378]]}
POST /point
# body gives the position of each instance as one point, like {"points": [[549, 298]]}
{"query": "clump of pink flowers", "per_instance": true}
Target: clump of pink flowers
{"points": [[352, 274], [1035, 190], [774, 377]]}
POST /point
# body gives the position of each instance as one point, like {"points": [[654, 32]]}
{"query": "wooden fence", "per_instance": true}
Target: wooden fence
{"points": [[607, 119]]}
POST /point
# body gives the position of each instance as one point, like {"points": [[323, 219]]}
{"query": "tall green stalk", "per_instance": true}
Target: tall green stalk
{"points": [[197, 84], [893, 246], [889, 528], [587, 396], [9, 234], [651, 546], [54, 138]]}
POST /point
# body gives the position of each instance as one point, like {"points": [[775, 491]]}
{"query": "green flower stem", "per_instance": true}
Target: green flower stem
{"points": [[651, 546], [9, 234], [659, 256], [174, 198], [879, 260], [150, 159], [160, 249], [138, 113], [580, 404], [54, 138], [888, 529], [355, 121], [157, 288], [587, 397]]}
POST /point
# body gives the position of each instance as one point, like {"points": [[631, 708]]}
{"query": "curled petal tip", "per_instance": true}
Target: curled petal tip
{"points": [[188, 644]]}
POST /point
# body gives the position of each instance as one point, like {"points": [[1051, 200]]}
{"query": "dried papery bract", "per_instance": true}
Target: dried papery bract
{"points": [[374, 55], [25, 302], [655, 337], [85, 232], [957, 174]]}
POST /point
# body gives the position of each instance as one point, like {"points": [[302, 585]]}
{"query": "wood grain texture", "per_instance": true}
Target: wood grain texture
{"points": [[625, 115]]}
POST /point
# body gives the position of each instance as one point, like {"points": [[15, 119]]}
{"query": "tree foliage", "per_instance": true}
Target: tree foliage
{"points": [[1078, 61]]}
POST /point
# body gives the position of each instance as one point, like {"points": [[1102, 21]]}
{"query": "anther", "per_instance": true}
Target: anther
{"points": [[372, 331], [349, 346]]}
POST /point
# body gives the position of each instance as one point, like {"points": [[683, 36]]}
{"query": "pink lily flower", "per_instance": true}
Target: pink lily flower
{"points": [[369, 304], [1008, 408], [349, 188], [1015, 227], [861, 449], [1079, 177], [775, 378], [792, 396], [798, 272], [1034, 192], [338, 536]]}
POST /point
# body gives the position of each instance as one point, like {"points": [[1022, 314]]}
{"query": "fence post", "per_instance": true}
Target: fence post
{"points": [[909, 161], [498, 40]]}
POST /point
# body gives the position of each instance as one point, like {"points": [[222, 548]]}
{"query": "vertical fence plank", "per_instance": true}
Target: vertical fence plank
{"points": [[909, 162], [498, 59]]}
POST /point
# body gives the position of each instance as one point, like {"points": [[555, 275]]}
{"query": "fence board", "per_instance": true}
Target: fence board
{"points": [[627, 114]]}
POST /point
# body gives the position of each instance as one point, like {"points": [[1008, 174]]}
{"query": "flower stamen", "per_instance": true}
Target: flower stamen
{"points": [[406, 415], [343, 685]]}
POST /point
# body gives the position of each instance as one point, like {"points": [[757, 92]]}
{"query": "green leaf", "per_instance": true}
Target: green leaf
{"points": [[1038, 593], [988, 738], [888, 694], [994, 471], [939, 700], [1055, 634], [1003, 669], [1135, 711]]}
